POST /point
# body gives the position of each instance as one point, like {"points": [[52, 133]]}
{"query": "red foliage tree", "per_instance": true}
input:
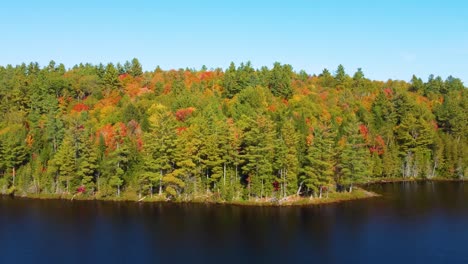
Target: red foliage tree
{"points": [[184, 113], [80, 107], [364, 131], [388, 92]]}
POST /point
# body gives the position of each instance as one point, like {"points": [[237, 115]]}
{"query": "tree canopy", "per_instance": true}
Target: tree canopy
{"points": [[241, 133]]}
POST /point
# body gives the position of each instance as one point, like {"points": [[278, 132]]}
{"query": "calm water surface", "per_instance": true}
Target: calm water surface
{"points": [[412, 223]]}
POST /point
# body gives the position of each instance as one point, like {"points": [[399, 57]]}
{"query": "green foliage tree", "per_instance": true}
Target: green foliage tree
{"points": [[136, 68], [279, 80], [64, 164], [353, 161]]}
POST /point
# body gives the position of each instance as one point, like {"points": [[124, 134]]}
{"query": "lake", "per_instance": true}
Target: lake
{"points": [[423, 222]]}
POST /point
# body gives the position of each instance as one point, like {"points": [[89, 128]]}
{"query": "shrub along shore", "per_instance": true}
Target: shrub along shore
{"points": [[293, 200]]}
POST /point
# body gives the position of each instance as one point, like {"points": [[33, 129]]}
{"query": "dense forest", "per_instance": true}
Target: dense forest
{"points": [[235, 134]]}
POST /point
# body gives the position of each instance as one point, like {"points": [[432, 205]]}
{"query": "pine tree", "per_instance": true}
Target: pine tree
{"points": [[340, 75], [161, 142], [318, 167], [65, 163], [14, 154], [287, 159], [87, 163], [279, 80], [258, 155], [135, 68], [353, 162], [110, 78], [230, 84], [116, 166], [415, 138], [150, 175]]}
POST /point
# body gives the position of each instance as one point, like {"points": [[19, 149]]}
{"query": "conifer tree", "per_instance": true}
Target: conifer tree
{"points": [[353, 163], [135, 68], [14, 154], [258, 155], [65, 163], [161, 142], [318, 167], [287, 158], [279, 80], [87, 163]]}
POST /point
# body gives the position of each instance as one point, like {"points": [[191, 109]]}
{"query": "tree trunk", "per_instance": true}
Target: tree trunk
{"points": [[261, 193], [97, 180], [236, 173], [207, 182], [434, 168], [14, 176], [224, 174], [299, 189], [160, 183], [56, 184], [285, 174]]}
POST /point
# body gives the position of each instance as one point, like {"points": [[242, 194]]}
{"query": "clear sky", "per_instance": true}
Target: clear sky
{"points": [[388, 39]]}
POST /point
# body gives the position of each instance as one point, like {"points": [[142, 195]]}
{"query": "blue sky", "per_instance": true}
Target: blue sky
{"points": [[387, 39]]}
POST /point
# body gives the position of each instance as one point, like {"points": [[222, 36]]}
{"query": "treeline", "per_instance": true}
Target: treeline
{"points": [[114, 130]]}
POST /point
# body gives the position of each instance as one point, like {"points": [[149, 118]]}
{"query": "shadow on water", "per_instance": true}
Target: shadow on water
{"points": [[411, 223]]}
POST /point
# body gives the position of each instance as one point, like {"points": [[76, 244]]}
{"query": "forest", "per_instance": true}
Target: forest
{"points": [[236, 134]]}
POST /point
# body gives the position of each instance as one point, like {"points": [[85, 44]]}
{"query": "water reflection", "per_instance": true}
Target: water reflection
{"points": [[411, 222]]}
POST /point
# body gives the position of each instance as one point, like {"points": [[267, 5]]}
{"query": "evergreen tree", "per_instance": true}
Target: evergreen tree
{"points": [[65, 164], [279, 80], [287, 159], [135, 68], [353, 162], [87, 163], [318, 167], [258, 155], [14, 154], [231, 87], [340, 75], [116, 166], [110, 78]]}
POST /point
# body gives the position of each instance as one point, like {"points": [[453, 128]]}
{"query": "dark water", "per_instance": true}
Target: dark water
{"points": [[412, 223]]}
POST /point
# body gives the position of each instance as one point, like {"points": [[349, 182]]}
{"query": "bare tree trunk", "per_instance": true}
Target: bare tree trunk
{"points": [[14, 175], [285, 182], [224, 174], [282, 182], [56, 183], [434, 168], [300, 188], [261, 193], [207, 182], [160, 183]]}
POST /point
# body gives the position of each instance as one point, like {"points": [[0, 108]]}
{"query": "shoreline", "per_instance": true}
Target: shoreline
{"points": [[411, 179], [359, 193], [293, 200]]}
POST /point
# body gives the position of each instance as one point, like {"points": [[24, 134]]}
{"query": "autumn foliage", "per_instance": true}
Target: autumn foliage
{"points": [[236, 134]]}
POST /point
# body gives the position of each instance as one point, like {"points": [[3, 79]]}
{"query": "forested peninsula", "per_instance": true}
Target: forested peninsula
{"points": [[239, 134]]}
